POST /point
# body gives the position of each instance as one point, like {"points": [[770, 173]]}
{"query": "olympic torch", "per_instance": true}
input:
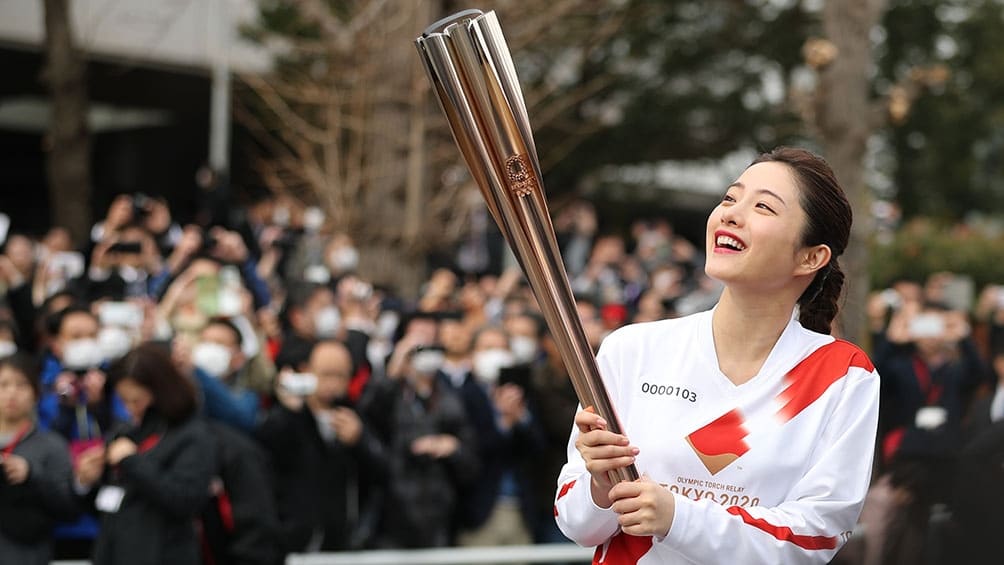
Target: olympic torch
{"points": [[472, 73]]}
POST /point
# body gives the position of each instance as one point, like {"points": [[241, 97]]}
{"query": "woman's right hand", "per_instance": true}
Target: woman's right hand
{"points": [[90, 465], [603, 451]]}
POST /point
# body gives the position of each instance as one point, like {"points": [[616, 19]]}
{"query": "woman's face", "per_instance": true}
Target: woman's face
{"points": [[754, 234], [17, 399], [135, 397]]}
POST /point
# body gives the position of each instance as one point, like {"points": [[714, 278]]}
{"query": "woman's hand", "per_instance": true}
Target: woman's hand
{"points": [[16, 469], [89, 466], [644, 507], [603, 451], [120, 449]]}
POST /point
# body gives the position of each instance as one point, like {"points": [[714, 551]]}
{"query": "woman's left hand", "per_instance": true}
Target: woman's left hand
{"points": [[120, 449], [644, 507]]}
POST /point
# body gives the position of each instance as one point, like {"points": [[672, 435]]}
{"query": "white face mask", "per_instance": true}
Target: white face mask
{"points": [[7, 348], [344, 259], [280, 216], [489, 363], [313, 219], [212, 358], [427, 362], [81, 354], [114, 342], [326, 321], [524, 348]]}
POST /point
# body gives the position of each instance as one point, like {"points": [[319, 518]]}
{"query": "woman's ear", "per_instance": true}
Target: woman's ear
{"points": [[813, 259]]}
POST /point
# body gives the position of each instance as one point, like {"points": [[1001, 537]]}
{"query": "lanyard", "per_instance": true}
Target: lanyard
{"points": [[17, 439], [931, 391]]}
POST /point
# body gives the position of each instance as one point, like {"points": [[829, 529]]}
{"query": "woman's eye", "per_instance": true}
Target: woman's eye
{"points": [[728, 198], [765, 207]]}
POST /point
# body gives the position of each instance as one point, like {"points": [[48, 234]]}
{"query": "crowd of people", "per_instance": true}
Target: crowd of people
{"points": [[236, 393]]}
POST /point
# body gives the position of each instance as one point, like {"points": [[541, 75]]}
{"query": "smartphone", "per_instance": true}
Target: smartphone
{"points": [[67, 264], [123, 314], [518, 375], [208, 294], [126, 247], [927, 325], [298, 384]]}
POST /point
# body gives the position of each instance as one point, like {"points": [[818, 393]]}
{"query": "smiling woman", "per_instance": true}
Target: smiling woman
{"points": [[766, 450]]}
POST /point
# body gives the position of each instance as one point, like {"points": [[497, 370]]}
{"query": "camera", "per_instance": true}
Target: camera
{"points": [[298, 384], [927, 326], [126, 247], [141, 205]]}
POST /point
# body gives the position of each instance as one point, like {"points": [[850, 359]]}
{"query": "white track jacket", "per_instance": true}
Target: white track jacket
{"points": [[772, 471]]}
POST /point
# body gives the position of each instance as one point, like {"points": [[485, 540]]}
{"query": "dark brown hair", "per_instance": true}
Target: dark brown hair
{"points": [[151, 367], [828, 222], [27, 366]]}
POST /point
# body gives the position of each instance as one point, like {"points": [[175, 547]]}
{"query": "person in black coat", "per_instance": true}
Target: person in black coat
{"points": [[325, 457], [152, 479], [34, 469], [240, 523]]}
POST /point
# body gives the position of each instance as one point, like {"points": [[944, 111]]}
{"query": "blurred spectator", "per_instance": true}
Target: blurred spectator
{"points": [[219, 366], [311, 315], [240, 525], [431, 443], [327, 460], [575, 228], [75, 401], [35, 471], [151, 481], [497, 508], [930, 368]]}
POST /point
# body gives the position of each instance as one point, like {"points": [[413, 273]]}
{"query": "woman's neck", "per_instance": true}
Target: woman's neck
{"points": [[12, 425], [746, 326]]}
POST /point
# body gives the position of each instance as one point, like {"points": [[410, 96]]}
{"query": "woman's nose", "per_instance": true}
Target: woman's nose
{"points": [[731, 216]]}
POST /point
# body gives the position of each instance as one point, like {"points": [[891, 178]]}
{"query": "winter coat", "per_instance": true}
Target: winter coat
{"points": [[166, 487]]}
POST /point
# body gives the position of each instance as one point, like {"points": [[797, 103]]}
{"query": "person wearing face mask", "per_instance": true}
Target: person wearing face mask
{"points": [[327, 460], [76, 403], [341, 256], [217, 363], [311, 314], [498, 509], [430, 442]]}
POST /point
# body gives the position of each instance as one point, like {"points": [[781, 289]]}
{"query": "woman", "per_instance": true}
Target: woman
{"points": [[34, 469], [753, 428], [151, 481]]}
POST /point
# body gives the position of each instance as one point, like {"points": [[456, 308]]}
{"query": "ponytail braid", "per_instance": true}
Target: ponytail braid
{"points": [[818, 305]]}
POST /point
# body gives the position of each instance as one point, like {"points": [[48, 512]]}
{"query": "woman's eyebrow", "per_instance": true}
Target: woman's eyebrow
{"points": [[738, 184]]}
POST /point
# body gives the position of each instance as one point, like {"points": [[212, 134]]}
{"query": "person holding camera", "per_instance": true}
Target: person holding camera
{"points": [[35, 469], [930, 367], [76, 403], [326, 459], [430, 440], [75, 400]]}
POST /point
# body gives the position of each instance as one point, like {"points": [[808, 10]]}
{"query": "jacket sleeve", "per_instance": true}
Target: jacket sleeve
{"points": [[820, 511], [182, 485], [52, 482], [239, 409]]}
